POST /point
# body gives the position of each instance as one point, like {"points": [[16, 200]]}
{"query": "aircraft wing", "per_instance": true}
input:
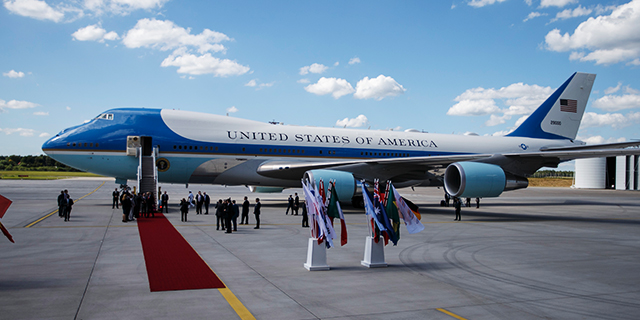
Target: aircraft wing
{"points": [[521, 163], [295, 169]]}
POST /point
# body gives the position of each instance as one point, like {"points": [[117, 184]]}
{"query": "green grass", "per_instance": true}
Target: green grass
{"points": [[43, 175]]}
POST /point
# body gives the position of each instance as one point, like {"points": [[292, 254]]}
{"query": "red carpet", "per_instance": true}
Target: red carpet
{"points": [[172, 264]]}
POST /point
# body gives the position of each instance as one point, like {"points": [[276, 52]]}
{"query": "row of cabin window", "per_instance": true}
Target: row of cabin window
{"points": [[384, 154], [271, 150], [282, 150], [79, 144], [197, 148]]}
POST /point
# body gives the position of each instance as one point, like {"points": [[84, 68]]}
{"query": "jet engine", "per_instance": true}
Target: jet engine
{"points": [[480, 180], [346, 186]]}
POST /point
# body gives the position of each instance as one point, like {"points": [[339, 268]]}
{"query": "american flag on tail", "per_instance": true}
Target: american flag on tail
{"points": [[568, 105]]}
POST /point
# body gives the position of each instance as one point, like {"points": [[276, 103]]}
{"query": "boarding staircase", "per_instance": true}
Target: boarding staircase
{"points": [[148, 173]]}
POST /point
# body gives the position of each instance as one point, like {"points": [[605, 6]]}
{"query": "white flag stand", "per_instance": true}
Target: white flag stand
{"points": [[373, 254], [316, 256]]}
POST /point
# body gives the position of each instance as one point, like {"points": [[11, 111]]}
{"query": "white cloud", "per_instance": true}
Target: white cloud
{"points": [[556, 3], [204, 64], [568, 13], [68, 108], [611, 90], [600, 139], [13, 74], [233, 109], [614, 120], [533, 15], [44, 135], [254, 83], [618, 102], [304, 81], [21, 131], [336, 87], [314, 68], [39, 9], [266, 85], [605, 39], [354, 60], [629, 90], [121, 7], [482, 3], [519, 99], [94, 33], [15, 104], [496, 120], [41, 113], [359, 121], [165, 35], [501, 133], [520, 121], [378, 88], [477, 107], [34, 9]]}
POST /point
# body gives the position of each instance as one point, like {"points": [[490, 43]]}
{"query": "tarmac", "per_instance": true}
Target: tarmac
{"points": [[536, 253]]}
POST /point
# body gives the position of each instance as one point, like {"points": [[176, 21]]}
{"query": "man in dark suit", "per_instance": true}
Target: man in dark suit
{"points": [[236, 213], [296, 204], [207, 201], [62, 204], [245, 211], [116, 197], [228, 214], [256, 212], [165, 202], [199, 202]]}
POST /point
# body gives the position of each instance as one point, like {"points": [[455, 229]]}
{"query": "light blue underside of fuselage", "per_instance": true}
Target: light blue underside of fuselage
{"points": [[126, 167]]}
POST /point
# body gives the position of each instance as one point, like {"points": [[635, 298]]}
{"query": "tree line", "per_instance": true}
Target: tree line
{"points": [[33, 163]]}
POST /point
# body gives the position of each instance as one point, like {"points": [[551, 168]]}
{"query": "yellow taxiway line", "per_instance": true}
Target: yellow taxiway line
{"points": [[52, 213], [450, 314]]}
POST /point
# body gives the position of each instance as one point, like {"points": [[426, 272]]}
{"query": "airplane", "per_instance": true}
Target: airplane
{"points": [[175, 146]]}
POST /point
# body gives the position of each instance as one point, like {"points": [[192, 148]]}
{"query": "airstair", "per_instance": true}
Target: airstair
{"points": [[147, 176], [148, 173]]}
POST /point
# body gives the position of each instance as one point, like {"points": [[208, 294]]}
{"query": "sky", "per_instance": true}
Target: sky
{"points": [[452, 67]]}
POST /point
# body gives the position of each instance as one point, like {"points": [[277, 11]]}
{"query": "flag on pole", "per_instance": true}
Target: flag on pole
{"points": [[369, 209], [410, 220], [310, 202], [315, 208], [377, 194], [392, 210], [4, 205], [335, 211]]}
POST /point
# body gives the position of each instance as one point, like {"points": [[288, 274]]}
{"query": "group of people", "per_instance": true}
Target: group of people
{"points": [[227, 211], [135, 205], [65, 203], [457, 204], [294, 205]]}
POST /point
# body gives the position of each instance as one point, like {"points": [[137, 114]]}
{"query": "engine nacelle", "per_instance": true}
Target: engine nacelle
{"points": [[479, 180], [345, 182]]}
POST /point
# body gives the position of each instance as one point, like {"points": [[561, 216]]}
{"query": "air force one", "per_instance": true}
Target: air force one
{"points": [[174, 146]]}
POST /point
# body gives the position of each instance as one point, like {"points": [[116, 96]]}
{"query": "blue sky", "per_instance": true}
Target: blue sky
{"points": [[446, 67]]}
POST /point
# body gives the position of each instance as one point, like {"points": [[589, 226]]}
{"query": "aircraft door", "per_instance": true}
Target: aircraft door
{"points": [[147, 146], [133, 143]]}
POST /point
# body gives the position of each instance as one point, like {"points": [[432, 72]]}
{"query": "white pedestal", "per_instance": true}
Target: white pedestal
{"points": [[316, 256], [374, 254]]}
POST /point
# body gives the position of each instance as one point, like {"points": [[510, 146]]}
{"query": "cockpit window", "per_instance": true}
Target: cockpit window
{"points": [[105, 116]]}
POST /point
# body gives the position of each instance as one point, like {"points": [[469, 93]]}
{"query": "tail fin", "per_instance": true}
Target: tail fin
{"points": [[560, 115]]}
